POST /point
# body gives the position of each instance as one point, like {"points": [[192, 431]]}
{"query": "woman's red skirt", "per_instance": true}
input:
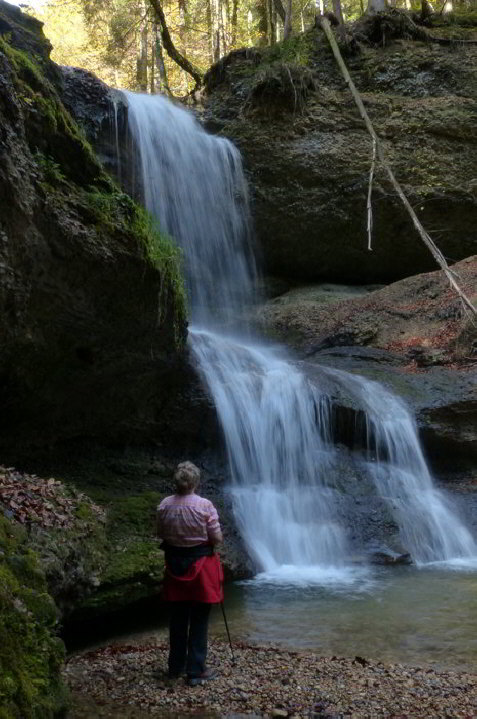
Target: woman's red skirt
{"points": [[203, 582]]}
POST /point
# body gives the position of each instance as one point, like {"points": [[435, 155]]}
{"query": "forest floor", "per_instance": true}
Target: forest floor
{"points": [[128, 681]]}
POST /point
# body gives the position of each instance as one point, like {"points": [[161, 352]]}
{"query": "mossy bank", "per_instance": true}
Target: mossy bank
{"points": [[52, 551], [92, 303], [30, 654]]}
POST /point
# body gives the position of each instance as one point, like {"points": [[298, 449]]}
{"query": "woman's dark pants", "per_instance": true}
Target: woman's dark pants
{"points": [[188, 626]]}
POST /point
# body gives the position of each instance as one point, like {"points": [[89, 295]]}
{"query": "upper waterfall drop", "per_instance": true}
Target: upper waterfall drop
{"points": [[194, 184], [276, 424]]}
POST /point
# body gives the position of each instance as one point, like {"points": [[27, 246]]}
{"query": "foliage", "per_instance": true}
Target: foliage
{"points": [[30, 653], [296, 50], [114, 208], [51, 170]]}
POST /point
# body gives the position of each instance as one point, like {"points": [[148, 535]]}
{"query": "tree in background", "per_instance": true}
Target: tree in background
{"points": [[166, 45]]}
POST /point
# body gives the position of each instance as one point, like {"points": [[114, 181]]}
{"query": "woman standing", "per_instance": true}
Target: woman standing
{"points": [[189, 527]]}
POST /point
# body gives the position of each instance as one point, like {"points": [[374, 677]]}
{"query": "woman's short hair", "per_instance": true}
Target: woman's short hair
{"points": [[186, 477]]}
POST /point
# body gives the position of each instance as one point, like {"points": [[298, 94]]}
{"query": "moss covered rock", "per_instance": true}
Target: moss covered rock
{"points": [[92, 308], [134, 565], [30, 654]]}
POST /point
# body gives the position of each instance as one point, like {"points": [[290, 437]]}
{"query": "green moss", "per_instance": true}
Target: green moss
{"points": [[134, 567], [22, 64], [112, 207], [133, 515], [51, 169], [296, 50], [462, 18], [30, 655]]}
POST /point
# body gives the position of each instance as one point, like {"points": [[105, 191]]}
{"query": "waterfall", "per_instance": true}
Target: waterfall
{"points": [[194, 184], [429, 525], [276, 424]]}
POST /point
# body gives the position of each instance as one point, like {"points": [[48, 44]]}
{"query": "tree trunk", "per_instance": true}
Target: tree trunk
{"points": [[182, 39], [426, 10], [216, 29], [280, 9], [320, 7], [210, 30], [287, 29], [162, 85], [262, 26], [272, 22], [222, 25], [152, 76], [171, 49], [337, 9], [141, 60], [233, 37]]}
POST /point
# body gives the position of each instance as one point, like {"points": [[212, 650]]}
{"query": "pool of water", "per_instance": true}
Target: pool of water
{"points": [[395, 614], [398, 614]]}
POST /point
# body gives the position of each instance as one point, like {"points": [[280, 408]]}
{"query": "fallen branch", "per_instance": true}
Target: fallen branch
{"points": [[370, 192], [425, 237]]}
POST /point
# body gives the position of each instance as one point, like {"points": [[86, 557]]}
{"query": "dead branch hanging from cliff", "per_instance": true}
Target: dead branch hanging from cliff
{"points": [[425, 237]]}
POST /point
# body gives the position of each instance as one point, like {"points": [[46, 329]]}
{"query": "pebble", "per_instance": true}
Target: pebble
{"points": [[313, 687]]}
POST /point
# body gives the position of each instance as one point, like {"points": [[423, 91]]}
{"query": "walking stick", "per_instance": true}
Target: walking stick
{"points": [[228, 633]]}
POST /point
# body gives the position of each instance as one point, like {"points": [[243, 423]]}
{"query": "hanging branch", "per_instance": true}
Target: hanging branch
{"points": [[370, 192], [171, 49], [425, 237]]}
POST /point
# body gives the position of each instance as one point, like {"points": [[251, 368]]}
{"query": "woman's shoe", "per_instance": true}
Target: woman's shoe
{"points": [[206, 676]]}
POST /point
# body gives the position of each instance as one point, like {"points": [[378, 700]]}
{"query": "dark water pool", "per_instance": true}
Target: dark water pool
{"points": [[426, 616]]}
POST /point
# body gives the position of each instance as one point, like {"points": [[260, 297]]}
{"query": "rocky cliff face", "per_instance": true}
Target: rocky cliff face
{"points": [[308, 153], [92, 330]]}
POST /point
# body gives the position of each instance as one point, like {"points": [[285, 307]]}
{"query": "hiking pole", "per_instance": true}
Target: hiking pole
{"points": [[228, 633]]}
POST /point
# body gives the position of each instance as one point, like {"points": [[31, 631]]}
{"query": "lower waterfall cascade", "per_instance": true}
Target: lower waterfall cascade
{"points": [[276, 423]]}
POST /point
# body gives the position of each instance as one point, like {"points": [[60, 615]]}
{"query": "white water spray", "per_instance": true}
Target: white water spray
{"points": [[429, 525], [276, 425]]}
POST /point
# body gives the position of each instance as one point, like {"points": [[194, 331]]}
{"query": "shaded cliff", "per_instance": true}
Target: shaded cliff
{"points": [[308, 153], [92, 309]]}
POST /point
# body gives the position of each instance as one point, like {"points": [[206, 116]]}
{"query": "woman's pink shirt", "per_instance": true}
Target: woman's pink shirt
{"points": [[187, 520]]}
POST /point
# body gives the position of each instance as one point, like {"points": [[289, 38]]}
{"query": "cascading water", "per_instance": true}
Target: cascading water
{"points": [[428, 523], [278, 457], [276, 425], [194, 184]]}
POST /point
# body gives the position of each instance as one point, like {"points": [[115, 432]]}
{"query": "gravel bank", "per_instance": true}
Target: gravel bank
{"points": [[128, 681]]}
